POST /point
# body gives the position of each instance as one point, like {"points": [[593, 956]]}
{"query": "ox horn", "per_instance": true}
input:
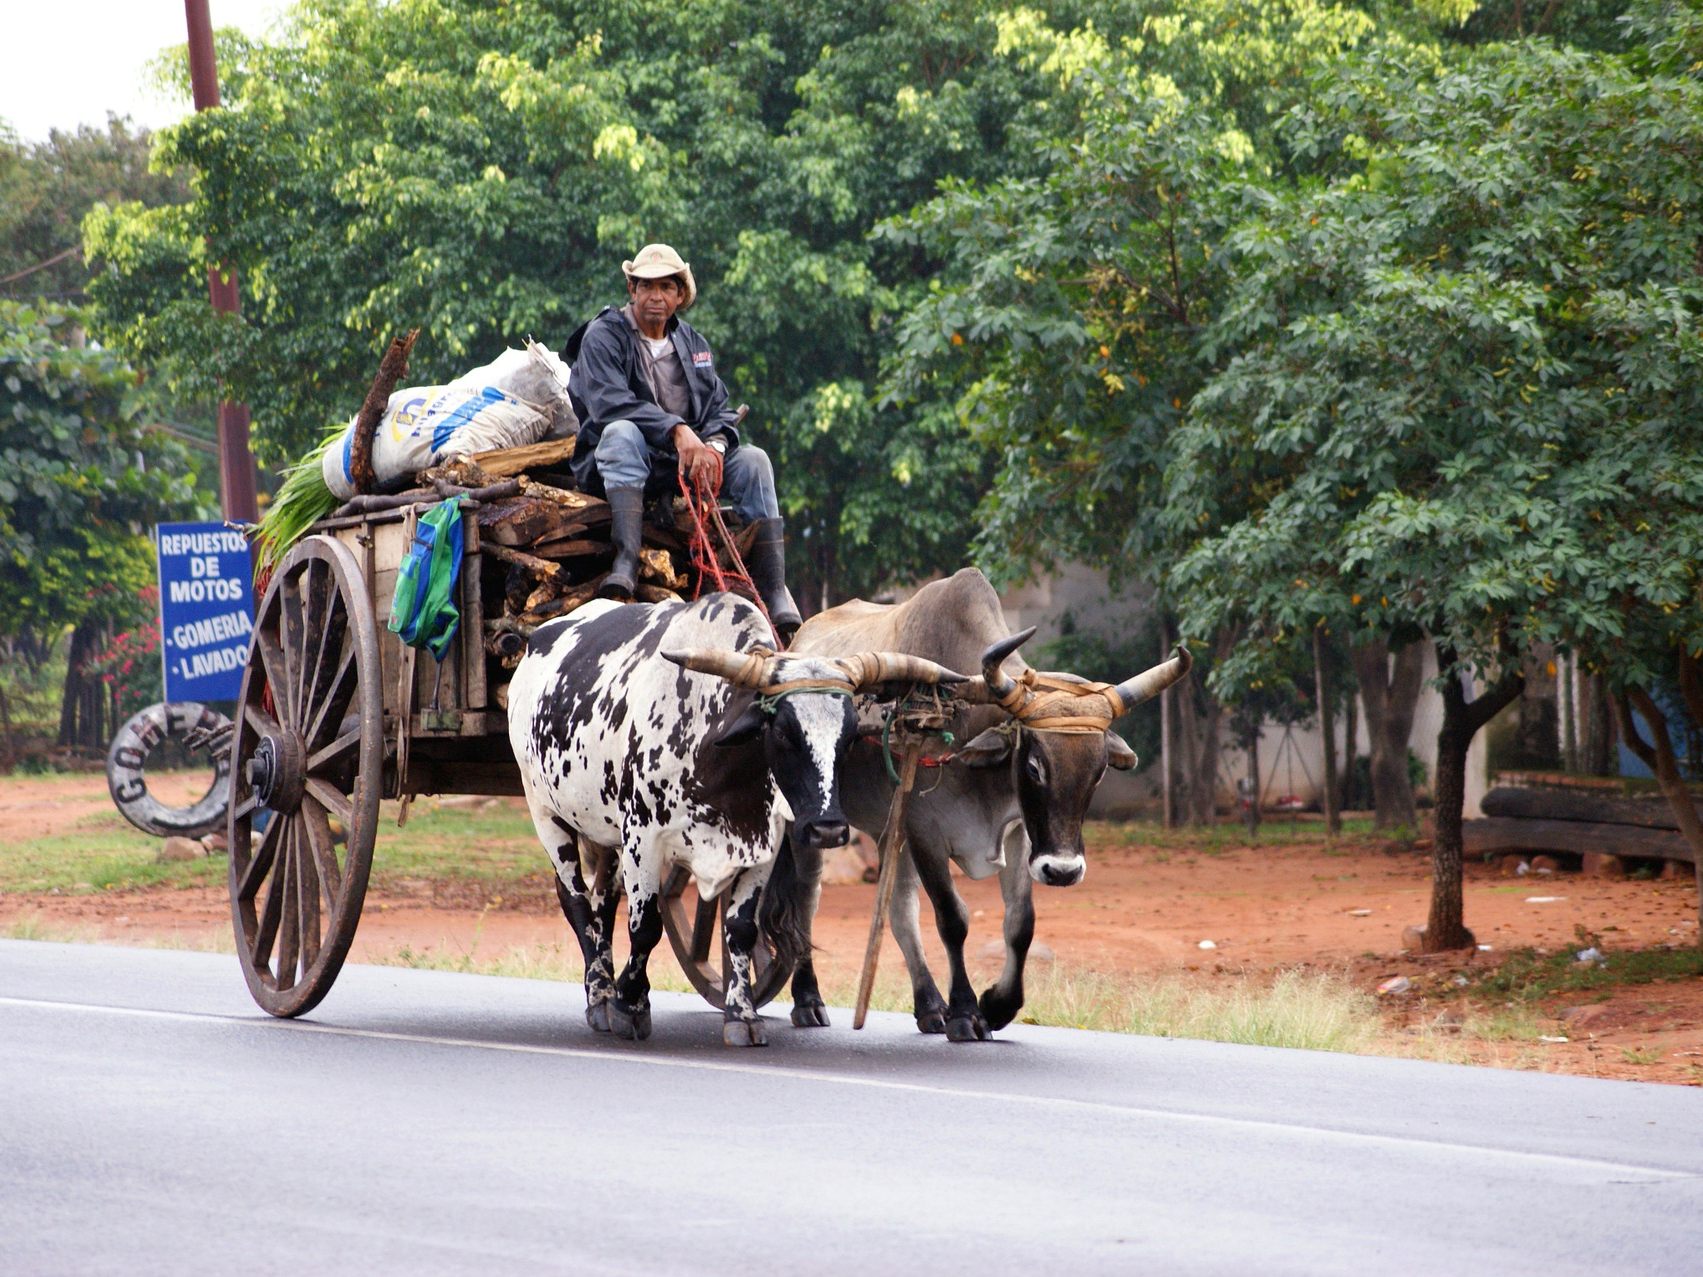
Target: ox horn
{"points": [[868, 669], [993, 686], [1150, 683], [748, 669]]}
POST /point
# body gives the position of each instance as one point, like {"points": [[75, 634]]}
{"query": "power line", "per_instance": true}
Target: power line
{"points": [[73, 251]]}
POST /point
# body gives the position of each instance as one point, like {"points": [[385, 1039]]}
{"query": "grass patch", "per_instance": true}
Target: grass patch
{"points": [[494, 848], [1227, 835], [1526, 976], [103, 852], [1305, 1011], [107, 855], [35, 927], [523, 962]]}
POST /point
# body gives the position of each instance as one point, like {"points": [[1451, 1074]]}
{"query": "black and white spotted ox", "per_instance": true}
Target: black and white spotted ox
{"points": [[669, 736], [1011, 800]]}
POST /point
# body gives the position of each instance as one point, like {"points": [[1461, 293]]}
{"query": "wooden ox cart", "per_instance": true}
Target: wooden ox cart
{"points": [[337, 715]]}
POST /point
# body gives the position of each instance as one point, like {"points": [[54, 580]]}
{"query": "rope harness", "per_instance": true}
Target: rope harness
{"points": [[769, 697], [701, 504], [1042, 703], [1036, 701]]}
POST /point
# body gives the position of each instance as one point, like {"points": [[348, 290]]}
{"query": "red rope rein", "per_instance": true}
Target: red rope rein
{"points": [[708, 528]]}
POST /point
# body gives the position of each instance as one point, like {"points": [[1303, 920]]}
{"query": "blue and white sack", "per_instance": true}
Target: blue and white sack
{"points": [[518, 398]]}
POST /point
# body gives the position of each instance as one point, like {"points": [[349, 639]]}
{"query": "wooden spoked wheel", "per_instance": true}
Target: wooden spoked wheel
{"points": [[307, 763], [694, 929]]}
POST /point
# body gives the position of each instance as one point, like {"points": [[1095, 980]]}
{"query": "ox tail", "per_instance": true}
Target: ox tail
{"points": [[788, 902]]}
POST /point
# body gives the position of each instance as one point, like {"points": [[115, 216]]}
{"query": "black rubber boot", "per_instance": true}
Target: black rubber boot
{"points": [[626, 532], [768, 574]]}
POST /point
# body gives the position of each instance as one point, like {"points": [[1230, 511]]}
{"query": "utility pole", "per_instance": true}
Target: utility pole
{"points": [[236, 461], [1168, 815]]}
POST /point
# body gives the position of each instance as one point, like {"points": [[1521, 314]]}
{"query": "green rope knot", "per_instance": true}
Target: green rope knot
{"points": [[896, 712]]}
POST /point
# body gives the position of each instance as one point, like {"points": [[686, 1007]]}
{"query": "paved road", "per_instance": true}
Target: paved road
{"points": [[152, 1120]]}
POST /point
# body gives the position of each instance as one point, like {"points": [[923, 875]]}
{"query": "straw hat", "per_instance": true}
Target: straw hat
{"points": [[659, 261]]}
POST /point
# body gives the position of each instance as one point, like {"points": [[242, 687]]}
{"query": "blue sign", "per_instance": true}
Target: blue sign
{"points": [[206, 610]]}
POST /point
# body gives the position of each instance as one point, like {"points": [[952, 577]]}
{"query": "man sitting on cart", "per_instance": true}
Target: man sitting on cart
{"points": [[650, 405]]}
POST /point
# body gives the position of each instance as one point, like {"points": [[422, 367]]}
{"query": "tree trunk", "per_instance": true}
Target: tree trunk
{"points": [[1167, 775], [1327, 731], [1203, 779], [1566, 681], [1351, 755], [1199, 717], [1445, 928], [1599, 752], [1658, 756], [1390, 691], [1251, 801], [83, 717], [1189, 728]]}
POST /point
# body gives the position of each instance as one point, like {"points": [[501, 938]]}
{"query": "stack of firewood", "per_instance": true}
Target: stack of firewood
{"points": [[552, 543]]}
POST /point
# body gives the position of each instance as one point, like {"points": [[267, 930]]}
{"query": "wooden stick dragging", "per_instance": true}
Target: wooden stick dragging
{"points": [[892, 846]]}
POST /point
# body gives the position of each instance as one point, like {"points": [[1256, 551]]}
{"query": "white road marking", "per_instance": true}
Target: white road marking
{"points": [[606, 1056]]}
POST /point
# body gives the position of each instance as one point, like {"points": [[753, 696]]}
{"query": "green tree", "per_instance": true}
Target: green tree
{"points": [[1068, 330], [480, 171], [81, 481], [1463, 383], [45, 190]]}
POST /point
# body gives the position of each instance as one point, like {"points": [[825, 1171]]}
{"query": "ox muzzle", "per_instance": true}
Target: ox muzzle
{"points": [[1056, 869]]}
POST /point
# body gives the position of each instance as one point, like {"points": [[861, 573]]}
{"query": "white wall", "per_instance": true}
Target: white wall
{"points": [[1297, 769]]}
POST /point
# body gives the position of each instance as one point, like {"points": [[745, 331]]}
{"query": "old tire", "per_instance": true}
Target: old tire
{"points": [[126, 771]]}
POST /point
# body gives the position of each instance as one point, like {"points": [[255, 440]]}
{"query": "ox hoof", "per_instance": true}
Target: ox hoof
{"points": [[997, 1011], [811, 1015], [633, 1025], [744, 1033], [967, 1028], [932, 1021], [597, 1016]]}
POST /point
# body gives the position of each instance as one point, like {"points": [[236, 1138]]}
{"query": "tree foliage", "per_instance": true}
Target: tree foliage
{"points": [[1460, 380], [45, 190], [81, 479], [481, 170]]}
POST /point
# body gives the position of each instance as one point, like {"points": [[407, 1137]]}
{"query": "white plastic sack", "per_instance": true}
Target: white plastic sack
{"points": [[518, 398]]}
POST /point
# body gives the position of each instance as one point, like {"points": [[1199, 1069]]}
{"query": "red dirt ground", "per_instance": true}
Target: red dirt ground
{"points": [[1140, 911]]}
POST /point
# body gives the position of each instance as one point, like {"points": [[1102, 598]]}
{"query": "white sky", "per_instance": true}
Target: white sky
{"points": [[68, 62]]}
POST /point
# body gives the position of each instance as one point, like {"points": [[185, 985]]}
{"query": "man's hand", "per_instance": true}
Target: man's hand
{"points": [[701, 462]]}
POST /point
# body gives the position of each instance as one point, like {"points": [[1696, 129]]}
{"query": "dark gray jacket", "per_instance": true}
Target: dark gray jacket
{"points": [[609, 384]]}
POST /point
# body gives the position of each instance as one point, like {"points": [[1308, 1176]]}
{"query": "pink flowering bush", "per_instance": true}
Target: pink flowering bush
{"points": [[130, 665]]}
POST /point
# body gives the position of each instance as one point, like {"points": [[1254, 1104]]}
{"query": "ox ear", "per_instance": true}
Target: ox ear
{"points": [[989, 749], [1119, 754], [746, 727]]}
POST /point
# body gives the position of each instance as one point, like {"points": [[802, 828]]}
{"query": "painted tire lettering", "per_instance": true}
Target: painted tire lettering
{"points": [[126, 763]]}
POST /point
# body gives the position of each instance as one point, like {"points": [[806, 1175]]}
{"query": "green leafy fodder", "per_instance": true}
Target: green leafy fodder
{"points": [[302, 500]]}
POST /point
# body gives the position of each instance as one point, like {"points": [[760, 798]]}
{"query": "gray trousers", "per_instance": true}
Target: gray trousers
{"points": [[747, 480]]}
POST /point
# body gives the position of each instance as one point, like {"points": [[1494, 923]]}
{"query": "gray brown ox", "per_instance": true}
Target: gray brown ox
{"points": [[1011, 800]]}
